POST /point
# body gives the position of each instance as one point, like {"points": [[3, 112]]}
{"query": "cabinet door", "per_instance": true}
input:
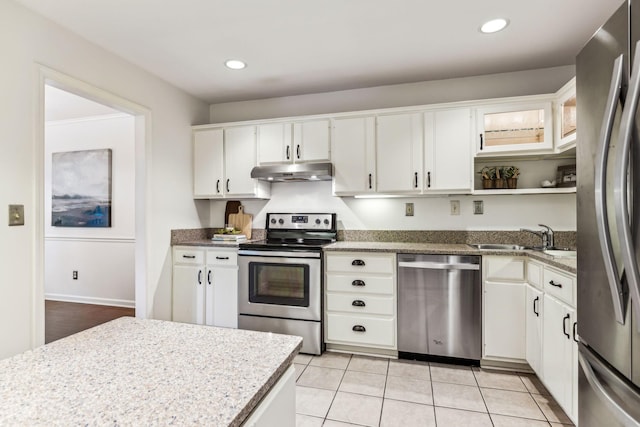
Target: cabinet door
{"points": [[240, 158], [311, 141], [448, 151], [399, 153], [565, 115], [557, 351], [225, 299], [274, 143], [504, 320], [352, 154], [208, 161], [515, 127], [534, 311], [188, 294]]}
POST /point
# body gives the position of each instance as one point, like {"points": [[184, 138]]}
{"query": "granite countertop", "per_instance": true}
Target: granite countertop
{"points": [[211, 243], [144, 372], [566, 264]]}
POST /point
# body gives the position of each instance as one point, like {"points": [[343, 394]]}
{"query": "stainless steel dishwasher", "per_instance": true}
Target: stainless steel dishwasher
{"points": [[440, 307]]}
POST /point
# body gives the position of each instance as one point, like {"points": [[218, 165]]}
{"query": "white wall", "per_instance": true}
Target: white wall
{"points": [[530, 82], [27, 40], [103, 257], [501, 212]]}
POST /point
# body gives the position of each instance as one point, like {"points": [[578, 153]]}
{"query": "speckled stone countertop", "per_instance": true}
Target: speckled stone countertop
{"points": [[144, 372], [567, 264]]}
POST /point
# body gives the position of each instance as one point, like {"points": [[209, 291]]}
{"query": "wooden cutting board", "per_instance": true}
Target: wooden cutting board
{"points": [[230, 208], [241, 221]]}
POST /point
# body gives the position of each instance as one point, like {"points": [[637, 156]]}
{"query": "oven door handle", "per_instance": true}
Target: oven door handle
{"points": [[278, 254]]}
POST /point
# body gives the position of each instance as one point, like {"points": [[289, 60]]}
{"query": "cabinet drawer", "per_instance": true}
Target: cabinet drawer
{"points": [[559, 285], [188, 256], [534, 274], [359, 303], [218, 257], [359, 262], [360, 284], [504, 268], [376, 332]]}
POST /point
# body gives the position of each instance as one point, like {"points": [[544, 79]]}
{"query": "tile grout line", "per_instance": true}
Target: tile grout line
{"points": [[384, 391], [336, 393], [482, 396], [433, 396]]}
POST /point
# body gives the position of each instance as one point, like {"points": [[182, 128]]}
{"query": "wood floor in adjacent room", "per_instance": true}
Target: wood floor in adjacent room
{"points": [[66, 318]]}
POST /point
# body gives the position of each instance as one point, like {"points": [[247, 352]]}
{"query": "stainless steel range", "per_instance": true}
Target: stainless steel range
{"points": [[281, 278]]}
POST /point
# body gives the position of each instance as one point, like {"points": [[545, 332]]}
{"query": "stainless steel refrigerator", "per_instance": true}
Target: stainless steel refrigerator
{"points": [[608, 210]]}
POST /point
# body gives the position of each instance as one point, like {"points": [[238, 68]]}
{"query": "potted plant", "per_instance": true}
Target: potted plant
{"points": [[500, 181], [511, 173], [488, 176]]}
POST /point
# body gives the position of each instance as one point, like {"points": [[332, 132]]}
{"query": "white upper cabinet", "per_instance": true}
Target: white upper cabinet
{"points": [[311, 141], [399, 153], [353, 155], [565, 112], [208, 163], [448, 155], [298, 142], [223, 159], [274, 143], [514, 127]]}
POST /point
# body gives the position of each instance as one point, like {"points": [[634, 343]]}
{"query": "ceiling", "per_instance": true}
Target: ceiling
{"points": [[296, 47]]}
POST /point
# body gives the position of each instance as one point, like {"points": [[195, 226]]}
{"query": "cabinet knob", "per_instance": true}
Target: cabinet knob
{"points": [[359, 328]]}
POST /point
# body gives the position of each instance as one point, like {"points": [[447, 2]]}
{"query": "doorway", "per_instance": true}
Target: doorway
{"points": [[89, 274]]}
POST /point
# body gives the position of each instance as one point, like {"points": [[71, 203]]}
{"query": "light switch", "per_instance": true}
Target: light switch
{"points": [[478, 207], [16, 215]]}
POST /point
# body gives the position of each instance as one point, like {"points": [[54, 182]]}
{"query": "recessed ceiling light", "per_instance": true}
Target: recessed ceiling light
{"points": [[235, 64], [494, 25]]}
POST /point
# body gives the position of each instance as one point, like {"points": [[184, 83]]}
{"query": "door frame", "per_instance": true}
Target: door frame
{"points": [[51, 77]]}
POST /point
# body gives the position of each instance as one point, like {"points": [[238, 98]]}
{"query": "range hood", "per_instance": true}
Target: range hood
{"points": [[294, 172]]}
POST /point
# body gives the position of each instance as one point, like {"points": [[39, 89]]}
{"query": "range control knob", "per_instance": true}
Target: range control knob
{"points": [[281, 221], [326, 222], [273, 220], [318, 221]]}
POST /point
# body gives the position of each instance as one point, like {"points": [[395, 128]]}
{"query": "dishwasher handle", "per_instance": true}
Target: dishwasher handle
{"points": [[438, 265]]}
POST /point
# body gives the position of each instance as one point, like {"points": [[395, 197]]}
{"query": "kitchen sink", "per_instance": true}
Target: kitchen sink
{"points": [[561, 253], [497, 246]]}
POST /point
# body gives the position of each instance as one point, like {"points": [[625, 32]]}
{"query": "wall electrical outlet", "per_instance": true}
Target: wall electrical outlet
{"points": [[16, 215], [75, 274], [478, 207], [455, 207], [408, 209]]}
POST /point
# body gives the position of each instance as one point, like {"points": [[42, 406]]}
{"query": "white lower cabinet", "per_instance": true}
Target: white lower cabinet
{"points": [[534, 312], [558, 352], [205, 286], [552, 350], [504, 334], [278, 407], [360, 300]]}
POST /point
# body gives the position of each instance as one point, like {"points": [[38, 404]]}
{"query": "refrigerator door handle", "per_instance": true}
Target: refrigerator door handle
{"points": [[627, 131], [588, 363], [600, 190]]}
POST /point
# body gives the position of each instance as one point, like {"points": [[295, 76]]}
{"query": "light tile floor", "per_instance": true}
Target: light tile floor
{"points": [[338, 390]]}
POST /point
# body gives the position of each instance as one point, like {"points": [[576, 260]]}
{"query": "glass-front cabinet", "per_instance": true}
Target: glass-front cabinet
{"points": [[514, 127], [565, 106]]}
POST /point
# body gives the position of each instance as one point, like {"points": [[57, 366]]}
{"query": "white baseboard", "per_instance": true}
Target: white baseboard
{"points": [[90, 300]]}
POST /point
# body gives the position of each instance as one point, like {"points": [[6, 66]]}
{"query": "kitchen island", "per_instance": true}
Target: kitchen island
{"points": [[148, 372]]}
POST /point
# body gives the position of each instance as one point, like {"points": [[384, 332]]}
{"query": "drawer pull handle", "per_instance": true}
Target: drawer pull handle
{"points": [[222, 257], [199, 277], [575, 326], [358, 262], [357, 283], [359, 328], [209, 277], [189, 256], [537, 313], [358, 303], [557, 285]]}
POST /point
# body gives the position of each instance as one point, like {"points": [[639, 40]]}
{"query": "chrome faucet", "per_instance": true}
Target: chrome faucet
{"points": [[546, 235]]}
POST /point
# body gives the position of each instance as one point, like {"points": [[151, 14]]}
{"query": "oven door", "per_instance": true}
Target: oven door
{"points": [[280, 284]]}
